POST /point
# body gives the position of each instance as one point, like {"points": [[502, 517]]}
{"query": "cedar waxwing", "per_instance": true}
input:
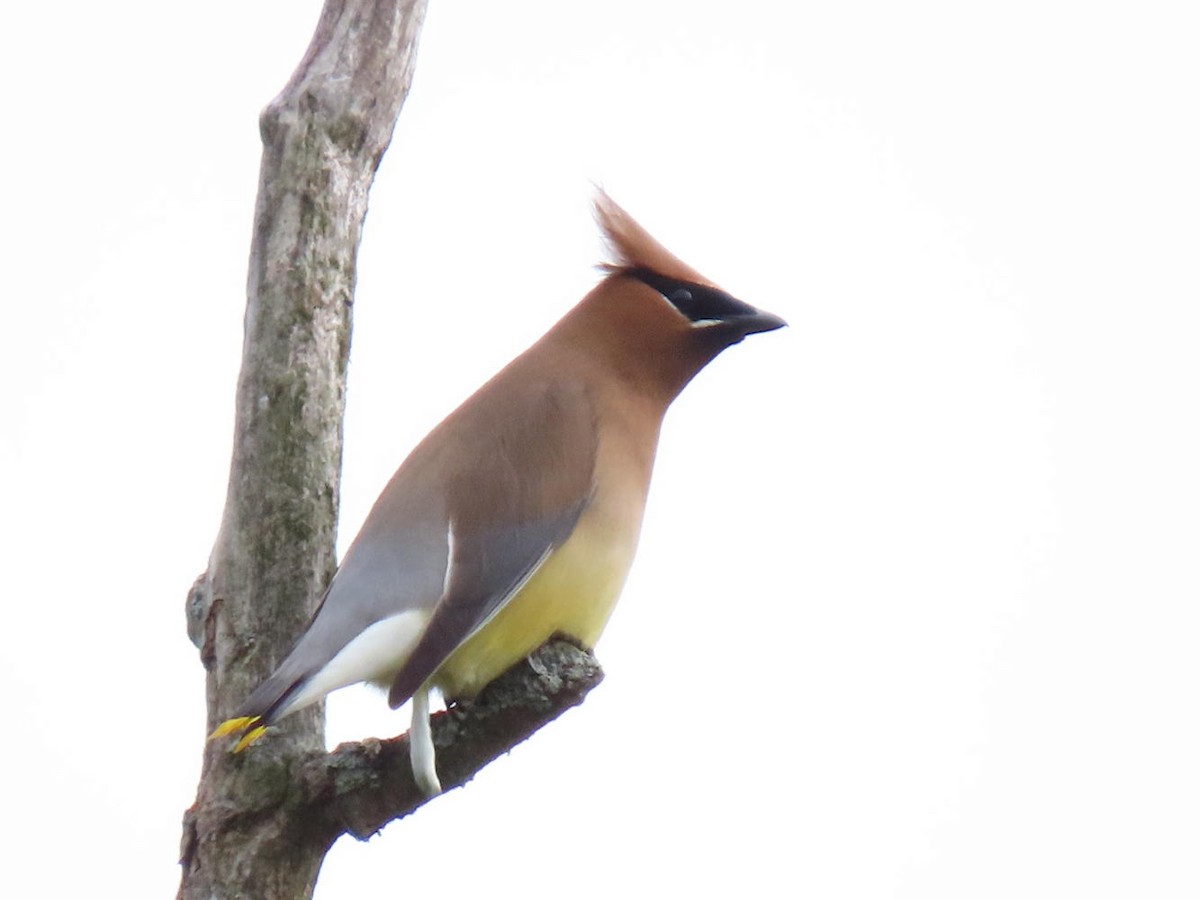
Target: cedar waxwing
{"points": [[518, 516]]}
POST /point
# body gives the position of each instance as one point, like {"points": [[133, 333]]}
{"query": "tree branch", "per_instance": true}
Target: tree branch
{"points": [[360, 787]]}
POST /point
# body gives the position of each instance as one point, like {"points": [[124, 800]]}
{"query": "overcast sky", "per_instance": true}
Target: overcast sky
{"points": [[915, 611]]}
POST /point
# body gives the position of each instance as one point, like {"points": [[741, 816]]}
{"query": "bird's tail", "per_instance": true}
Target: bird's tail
{"points": [[248, 729], [272, 700]]}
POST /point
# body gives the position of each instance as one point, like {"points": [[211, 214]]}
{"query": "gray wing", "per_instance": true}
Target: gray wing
{"points": [[472, 511], [507, 511], [396, 563]]}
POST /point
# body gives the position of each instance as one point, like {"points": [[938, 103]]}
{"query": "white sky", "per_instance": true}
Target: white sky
{"points": [[915, 613]]}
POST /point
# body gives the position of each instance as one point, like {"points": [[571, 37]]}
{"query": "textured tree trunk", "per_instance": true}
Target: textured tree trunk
{"points": [[263, 820], [323, 138]]}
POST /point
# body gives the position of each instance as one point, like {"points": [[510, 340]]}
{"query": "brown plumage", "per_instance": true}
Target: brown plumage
{"points": [[632, 247], [518, 516]]}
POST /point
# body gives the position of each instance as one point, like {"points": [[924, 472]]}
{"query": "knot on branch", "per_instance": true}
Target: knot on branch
{"points": [[197, 609]]}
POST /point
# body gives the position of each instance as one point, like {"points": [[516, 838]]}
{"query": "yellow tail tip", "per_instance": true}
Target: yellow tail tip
{"points": [[251, 728], [249, 738]]}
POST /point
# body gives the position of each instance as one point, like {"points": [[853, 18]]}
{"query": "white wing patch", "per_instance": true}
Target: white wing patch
{"points": [[449, 556], [376, 655]]}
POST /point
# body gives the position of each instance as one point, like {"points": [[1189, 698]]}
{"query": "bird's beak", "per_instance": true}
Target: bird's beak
{"points": [[755, 322]]}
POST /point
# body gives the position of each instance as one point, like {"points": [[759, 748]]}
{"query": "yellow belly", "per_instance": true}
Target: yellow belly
{"points": [[574, 593]]}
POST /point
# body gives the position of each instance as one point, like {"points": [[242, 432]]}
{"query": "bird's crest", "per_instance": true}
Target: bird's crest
{"points": [[632, 247]]}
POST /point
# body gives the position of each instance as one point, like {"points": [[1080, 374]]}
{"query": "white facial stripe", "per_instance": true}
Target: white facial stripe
{"points": [[697, 323]]}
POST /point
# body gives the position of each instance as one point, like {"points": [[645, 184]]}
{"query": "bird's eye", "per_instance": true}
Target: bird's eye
{"points": [[681, 299]]}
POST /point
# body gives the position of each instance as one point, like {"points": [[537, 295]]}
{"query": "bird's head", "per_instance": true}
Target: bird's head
{"points": [[660, 319]]}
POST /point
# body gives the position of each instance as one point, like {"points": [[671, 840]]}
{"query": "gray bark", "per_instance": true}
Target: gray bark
{"points": [[263, 820]]}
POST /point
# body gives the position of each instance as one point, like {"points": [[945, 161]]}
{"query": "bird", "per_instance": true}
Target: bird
{"points": [[518, 516]]}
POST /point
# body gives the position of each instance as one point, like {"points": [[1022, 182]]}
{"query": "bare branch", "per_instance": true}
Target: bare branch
{"points": [[360, 787]]}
